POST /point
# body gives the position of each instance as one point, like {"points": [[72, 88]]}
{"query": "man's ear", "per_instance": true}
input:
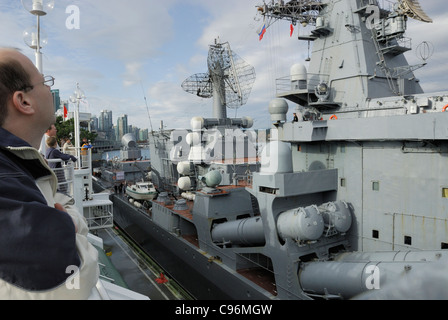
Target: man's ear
{"points": [[22, 103]]}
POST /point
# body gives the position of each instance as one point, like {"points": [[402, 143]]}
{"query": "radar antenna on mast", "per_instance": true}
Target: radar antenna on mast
{"points": [[304, 12], [412, 9], [229, 79]]}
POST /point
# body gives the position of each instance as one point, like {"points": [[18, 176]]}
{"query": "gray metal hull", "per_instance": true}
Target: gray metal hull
{"points": [[187, 264]]}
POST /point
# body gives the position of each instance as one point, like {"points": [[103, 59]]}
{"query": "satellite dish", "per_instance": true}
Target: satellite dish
{"points": [[199, 84], [229, 79], [412, 9]]}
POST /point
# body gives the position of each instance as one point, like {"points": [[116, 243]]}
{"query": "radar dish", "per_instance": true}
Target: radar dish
{"points": [[199, 84], [234, 75], [412, 9], [229, 78]]}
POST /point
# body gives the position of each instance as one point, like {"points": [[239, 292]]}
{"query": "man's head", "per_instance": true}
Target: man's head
{"points": [[51, 131], [26, 102]]}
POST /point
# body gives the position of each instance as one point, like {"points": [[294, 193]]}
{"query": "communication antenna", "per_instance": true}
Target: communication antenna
{"points": [[229, 80], [304, 12], [308, 58], [412, 9], [147, 107], [425, 50]]}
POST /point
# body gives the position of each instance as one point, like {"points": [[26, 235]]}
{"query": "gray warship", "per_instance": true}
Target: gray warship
{"points": [[347, 201]]}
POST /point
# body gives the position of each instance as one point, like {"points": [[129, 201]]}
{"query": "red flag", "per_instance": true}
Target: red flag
{"points": [[291, 30], [65, 112]]}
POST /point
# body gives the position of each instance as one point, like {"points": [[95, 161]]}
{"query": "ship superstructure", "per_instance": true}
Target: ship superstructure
{"points": [[349, 198]]}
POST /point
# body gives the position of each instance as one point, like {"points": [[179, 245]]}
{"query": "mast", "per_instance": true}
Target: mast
{"points": [[347, 69]]}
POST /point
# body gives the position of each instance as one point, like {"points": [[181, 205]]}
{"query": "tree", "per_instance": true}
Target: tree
{"points": [[67, 129]]}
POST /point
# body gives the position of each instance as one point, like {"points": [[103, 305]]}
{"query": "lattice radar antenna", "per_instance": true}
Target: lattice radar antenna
{"points": [[229, 78], [304, 12]]}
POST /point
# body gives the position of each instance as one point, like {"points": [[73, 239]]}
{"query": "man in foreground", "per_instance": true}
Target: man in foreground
{"points": [[44, 252]]}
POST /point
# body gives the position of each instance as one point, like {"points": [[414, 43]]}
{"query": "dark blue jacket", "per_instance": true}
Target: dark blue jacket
{"points": [[53, 153], [37, 242]]}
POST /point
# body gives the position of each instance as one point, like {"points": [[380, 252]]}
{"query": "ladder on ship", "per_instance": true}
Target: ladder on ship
{"points": [[382, 64]]}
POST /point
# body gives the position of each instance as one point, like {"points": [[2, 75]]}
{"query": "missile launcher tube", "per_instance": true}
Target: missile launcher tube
{"points": [[248, 232], [356, 273], [301, 224]]}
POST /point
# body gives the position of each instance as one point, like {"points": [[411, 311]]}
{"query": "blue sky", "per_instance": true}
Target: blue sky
{"points": [[124, 50]]}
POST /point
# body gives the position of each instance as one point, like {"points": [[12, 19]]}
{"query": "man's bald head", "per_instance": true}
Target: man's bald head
{"points": [[26, 101], [13, 77]]}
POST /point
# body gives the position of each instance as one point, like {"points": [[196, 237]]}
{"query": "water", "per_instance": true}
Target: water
{"points": [[116, 153]]}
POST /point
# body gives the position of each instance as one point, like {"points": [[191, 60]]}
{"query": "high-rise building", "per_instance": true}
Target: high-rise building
{"points": [[105, 120], [122, 125], [105, 124], [144, 135], [94, 123], [56, 99]]}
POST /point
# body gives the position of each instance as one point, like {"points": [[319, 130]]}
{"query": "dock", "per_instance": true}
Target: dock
{"points": [[126, 266]]}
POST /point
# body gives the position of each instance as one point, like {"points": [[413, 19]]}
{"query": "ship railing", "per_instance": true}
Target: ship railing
{"points": [[384, 4], [289, 84], [65, 175], [98, 212], [84, 156], [75, 180]]}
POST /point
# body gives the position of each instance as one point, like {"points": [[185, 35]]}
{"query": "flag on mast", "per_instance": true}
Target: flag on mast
{"points": [[262, 32]]}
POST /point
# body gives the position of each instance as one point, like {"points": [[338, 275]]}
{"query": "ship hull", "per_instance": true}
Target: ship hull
{"points": [[200, 275]]}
